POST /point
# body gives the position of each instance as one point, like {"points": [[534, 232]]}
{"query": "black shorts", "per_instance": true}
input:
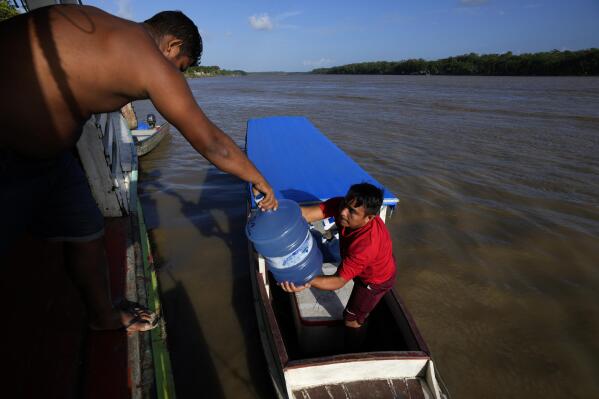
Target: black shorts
{"points": [[364, 297], [49, 198]]}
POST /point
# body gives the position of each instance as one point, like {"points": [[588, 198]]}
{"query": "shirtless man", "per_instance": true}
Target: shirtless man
{"points": [[61, 64]]}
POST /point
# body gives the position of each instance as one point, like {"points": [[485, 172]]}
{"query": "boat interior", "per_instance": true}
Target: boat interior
{"points": [[311, 322]]}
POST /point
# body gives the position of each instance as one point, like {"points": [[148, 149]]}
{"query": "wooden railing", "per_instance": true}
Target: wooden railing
{"points": [[106, 150]]}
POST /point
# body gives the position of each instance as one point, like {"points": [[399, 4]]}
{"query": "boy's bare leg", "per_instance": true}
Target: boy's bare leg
{"points": [[86, 264]]}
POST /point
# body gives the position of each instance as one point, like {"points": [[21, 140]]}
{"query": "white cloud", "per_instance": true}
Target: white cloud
{"points": [[473, 3], [318, 63], [261, 22], [265, 22], [286, 15], [124, 9]]}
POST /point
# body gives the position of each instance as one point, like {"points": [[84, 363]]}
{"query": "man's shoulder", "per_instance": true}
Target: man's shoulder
{"points": [[381, 230]]}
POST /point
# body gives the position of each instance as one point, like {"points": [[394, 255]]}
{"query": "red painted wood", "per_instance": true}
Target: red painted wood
{"points": [[107, 373], [45, 346], [42, 323]]}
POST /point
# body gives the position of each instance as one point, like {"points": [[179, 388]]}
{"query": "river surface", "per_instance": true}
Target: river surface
{"points": [[496, 235]]}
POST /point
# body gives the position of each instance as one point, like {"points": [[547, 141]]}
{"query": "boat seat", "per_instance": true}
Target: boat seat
{"points": [[316, 306]]}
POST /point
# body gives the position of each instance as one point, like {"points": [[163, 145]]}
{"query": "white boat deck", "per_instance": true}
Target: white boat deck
{"points": [[321, 306]]}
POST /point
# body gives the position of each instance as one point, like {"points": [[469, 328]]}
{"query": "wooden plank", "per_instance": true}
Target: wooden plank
{"points": [[107, 350], [125, 142], [400, 388], [165, 385], [415, 388], [107, 139], [91, 153], [43, 323], [349, 357], [368, 389], [379, 389], [272, 325], [321, 392]]}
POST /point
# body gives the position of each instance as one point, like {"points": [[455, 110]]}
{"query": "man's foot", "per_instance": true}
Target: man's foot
{"points": [[128, 316]]}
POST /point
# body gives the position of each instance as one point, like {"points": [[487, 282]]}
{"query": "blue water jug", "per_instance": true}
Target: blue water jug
{"points": [[284, 239]]}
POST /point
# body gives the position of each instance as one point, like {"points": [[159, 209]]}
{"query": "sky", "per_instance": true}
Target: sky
{"points": [[298, 36]]}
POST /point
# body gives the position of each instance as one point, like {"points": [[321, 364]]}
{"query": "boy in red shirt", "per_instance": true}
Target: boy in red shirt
{"points": [[366, 253]]}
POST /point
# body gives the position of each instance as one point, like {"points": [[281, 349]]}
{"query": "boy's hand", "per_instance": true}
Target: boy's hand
{"points": [[290, 287]]}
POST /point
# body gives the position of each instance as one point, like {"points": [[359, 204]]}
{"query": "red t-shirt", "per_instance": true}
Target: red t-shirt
{"points": [[366, 252]]}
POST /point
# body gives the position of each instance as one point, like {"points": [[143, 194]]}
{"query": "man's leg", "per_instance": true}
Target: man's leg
{"points": [[72, 216], [363, 299], [87, 266]]}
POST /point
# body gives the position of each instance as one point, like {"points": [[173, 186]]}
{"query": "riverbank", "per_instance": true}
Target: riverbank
{"points": [[211, 71], [550, 63]]}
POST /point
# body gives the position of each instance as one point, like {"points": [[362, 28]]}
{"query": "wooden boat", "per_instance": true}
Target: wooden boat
{"points": [[148, 139], [302, 333]]}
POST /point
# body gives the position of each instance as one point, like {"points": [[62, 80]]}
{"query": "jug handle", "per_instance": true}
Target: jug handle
{"points": [[258, 198]]}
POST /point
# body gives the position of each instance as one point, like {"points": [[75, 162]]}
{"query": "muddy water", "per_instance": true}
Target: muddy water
{"points": [[496, 236]]}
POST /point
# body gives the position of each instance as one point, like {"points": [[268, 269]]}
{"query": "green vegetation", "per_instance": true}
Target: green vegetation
{"points": [[583, 62], [7, 10], [206, 71]]}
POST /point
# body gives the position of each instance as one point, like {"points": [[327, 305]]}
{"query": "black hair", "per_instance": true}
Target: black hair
{"points": [[180, 26], [371, 197]]}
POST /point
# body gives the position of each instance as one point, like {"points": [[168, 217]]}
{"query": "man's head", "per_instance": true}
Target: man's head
{"points": [[360, 205], [177, 37]]}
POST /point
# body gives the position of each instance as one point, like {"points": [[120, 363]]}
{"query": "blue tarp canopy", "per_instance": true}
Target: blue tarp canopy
{"points": [[301, 163]]}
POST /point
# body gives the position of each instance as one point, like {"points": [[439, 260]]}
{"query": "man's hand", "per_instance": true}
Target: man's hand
{"points": [[290, 287], [269, 201]]}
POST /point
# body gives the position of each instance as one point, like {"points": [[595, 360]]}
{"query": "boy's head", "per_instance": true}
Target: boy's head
{"points": [[361, 204]]}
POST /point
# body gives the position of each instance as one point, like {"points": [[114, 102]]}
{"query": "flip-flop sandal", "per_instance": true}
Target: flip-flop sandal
{"points": [[137, 310], [138, 319]]}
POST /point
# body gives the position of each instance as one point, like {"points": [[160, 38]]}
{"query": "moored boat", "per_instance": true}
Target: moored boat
{"points": [[302, 333], [147, 138]]}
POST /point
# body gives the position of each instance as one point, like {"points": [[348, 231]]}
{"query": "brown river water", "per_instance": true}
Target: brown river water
{"points": [[496, 235]]}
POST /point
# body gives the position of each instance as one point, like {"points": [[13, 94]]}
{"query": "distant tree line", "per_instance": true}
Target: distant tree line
{"points": [[7, 10], [203, 71], [583, 62]]}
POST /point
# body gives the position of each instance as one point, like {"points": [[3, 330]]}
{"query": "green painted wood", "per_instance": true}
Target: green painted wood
{"points": [[165, 385]]}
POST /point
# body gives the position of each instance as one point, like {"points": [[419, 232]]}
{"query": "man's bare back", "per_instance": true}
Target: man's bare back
{"points": [[64, 63]]}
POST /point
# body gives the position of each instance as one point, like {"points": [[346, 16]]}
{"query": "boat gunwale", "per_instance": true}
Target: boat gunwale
{"points": [[357, 357], [271, 320], [144, 144]]}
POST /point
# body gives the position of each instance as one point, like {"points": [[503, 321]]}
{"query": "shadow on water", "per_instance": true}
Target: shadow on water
{"points": [[193, 368], [192, 356]]}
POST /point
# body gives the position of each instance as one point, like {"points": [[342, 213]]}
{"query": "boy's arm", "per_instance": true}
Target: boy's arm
{"points": [[312, 213], [327, 283]]}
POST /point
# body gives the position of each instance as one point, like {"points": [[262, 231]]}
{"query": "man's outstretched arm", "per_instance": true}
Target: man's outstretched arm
{"points": [[170, 93]]}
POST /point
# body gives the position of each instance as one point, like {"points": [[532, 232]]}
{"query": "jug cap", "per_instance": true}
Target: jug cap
{"points": [[264, 226]]}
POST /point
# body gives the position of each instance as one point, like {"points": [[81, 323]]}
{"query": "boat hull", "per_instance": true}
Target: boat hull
{"points": [[147, 140]]}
